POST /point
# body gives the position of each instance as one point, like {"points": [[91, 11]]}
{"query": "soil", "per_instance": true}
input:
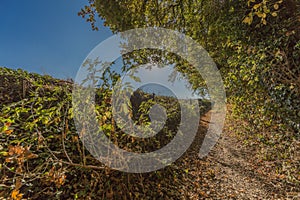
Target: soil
{"points": [[228, 172]]}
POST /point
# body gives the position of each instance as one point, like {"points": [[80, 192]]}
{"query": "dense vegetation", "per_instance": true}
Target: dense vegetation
{"points": [[254, 43], [41, 153], [256, 46]]}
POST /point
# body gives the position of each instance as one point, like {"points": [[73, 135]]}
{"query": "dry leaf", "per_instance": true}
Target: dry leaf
{"points": [[7, 124], [16, 195], [8, 132]]}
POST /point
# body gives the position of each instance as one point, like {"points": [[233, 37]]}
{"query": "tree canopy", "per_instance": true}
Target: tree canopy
{"points": [[255, 44]]}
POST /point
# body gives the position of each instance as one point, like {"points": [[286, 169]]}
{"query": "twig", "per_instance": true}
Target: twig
{"points": [[3, 185], [63, 136], [83, 166]]}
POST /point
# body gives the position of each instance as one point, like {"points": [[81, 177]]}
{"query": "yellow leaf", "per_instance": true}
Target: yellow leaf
{"points": [[264, 22], [16, 195], [274, 14], [249, 1], [256, 6], [276, 6], [259, 14], [247, 20], [4, 153]]}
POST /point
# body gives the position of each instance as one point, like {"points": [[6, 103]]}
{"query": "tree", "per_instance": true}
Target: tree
{"points": [[254, 43]]}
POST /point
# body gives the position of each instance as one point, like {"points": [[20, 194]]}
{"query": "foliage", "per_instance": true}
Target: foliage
{"points": [[255, 44], [219, 26], [35, 113], [41, 153]]}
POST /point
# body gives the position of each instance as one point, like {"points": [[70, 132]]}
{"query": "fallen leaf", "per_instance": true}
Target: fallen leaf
{"points": [[16, 195], [8, 132]]}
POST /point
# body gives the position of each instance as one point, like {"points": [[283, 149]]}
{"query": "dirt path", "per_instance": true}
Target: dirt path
{"points": [[228, 173], [235, 176]]}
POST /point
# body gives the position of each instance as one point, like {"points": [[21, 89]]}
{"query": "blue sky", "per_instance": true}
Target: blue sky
{"points": [[46, 36]]}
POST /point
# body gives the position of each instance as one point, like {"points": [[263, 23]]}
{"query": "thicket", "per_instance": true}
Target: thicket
{"points": [[42, 155], [255, 44]]}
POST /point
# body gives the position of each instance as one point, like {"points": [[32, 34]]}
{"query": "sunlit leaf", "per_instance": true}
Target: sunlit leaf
{"points": [[256, 6], [8, 132], [16, 195], [247, 20]]}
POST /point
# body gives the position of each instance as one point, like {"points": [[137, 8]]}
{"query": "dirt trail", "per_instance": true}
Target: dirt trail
{"points": [[227, 173]]}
